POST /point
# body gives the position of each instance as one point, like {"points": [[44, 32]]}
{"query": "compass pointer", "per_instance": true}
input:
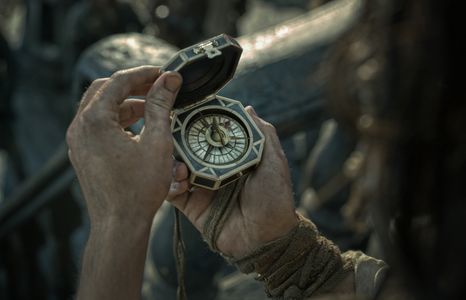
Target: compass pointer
{"points": [[205, 123], [229, 146], [222, 138], [209, 149], [236, 137], [219, 132]]}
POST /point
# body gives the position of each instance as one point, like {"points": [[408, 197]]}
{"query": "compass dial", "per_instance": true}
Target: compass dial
{"points": [[217, 139]]}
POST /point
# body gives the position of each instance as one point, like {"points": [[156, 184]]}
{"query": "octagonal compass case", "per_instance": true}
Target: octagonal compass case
{"points": [[213, 135]]}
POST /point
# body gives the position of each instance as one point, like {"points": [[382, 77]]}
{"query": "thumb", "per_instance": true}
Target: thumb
{"points": [[159, 102]]}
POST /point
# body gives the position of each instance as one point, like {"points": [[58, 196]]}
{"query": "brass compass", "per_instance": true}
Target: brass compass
{"points": [[213, 135]]}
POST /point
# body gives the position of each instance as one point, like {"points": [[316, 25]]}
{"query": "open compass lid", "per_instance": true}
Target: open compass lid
{"points": [[205, 67]]}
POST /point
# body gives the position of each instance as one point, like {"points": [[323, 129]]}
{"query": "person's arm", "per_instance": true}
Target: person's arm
{"points": [[263, 234], [113, 261], [124, 177]]}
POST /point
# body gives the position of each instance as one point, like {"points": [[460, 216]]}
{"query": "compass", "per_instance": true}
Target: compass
{"points": [[213, 135], [217, 138]]}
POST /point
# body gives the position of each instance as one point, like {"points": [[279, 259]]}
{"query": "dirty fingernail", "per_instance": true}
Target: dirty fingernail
{"points": [[253, 111], [173, 82]]}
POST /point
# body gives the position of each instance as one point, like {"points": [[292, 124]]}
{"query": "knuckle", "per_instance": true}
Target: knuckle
{"points": [[270, 127], [121, 79], [70, 156], [91, 118], [282, 155], [156, 105], [98, 82], [70, 134], [161, 96], [118, 75], [147, 68]]}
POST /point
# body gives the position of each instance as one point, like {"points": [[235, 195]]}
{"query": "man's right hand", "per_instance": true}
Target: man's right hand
{"points": [[124, 177], [265, 210]]}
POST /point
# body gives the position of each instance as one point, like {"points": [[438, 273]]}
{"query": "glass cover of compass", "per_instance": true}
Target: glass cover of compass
{"points": [[213, 135]]}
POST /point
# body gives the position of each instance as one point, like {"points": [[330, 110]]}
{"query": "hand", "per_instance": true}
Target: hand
{"points": [[265, 210], [124, 176]]}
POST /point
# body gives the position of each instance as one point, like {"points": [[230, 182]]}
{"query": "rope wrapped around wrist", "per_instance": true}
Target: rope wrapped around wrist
{"points": [[298, 265]]}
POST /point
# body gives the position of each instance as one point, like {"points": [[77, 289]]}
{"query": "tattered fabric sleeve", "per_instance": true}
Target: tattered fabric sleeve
{"points": [[304, 264], [300, 265]]}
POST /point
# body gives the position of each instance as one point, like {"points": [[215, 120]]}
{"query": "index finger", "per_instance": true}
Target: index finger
{"points": [[121, 84]]}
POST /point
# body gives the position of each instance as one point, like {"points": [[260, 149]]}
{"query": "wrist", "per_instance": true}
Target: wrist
{"points": [[114, 257], [118, 211], [282, 228], [298, 264], [111, 224]]}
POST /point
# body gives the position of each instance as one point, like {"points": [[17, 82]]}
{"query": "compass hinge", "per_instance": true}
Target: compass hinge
{"points": [[198, 103], [209, 49]]}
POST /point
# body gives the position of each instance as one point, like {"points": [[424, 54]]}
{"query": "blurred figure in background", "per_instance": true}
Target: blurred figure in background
{"points": [[397, 84]]}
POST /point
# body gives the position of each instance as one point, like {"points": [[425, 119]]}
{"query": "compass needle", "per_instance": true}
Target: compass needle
{"points": [[204, 122], [217, 139], [209, 149]]}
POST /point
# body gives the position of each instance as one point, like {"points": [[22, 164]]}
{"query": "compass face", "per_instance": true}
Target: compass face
{"points": [[217, 139]]}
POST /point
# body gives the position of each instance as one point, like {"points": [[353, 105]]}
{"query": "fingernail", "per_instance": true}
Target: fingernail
{"points": [[253, 111], [172, 82]]}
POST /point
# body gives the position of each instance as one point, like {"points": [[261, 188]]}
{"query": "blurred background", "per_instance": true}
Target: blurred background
{"points": [[50, 50]]}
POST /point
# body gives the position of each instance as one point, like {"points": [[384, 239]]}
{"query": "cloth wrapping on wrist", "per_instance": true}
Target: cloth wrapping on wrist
{"points": [[298, 265]]}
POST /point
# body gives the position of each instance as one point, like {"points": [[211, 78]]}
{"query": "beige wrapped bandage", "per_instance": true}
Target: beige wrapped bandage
{"points": [[298, 265]]}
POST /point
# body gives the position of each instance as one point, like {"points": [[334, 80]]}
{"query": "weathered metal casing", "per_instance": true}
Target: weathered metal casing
{"points": [[206, 67]]}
